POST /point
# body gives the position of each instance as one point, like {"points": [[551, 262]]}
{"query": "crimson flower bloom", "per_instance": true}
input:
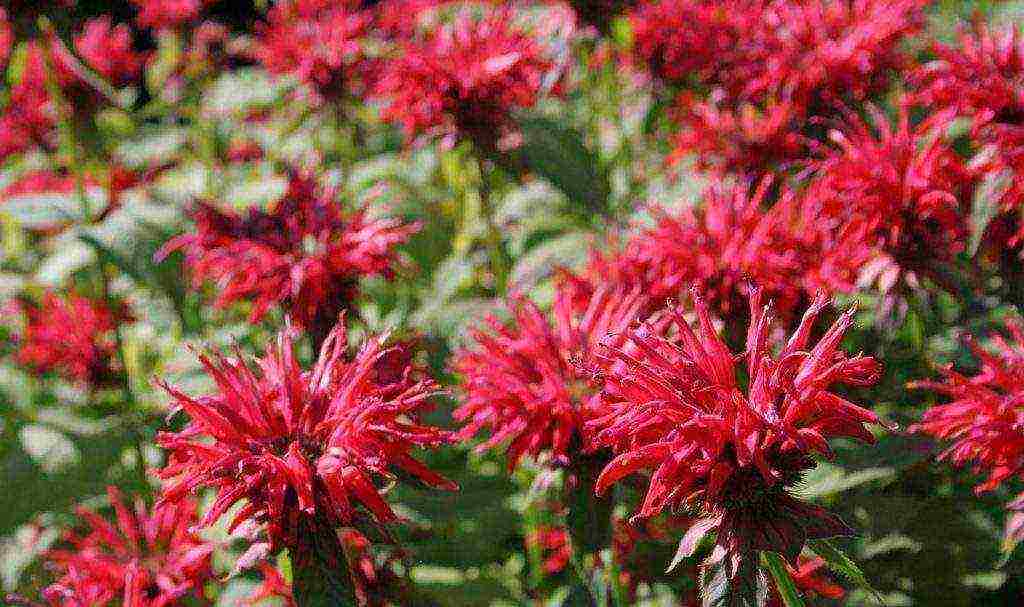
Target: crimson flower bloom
{"points": [[984, 80], [772, 69], [466, 78], [166, 14], [72, 336], [108, 50], [721, 247], [522, 379], [302, 446], [146, 559], [319, 42], [898, 189], [727, 447], [6, 38], [306, 255], [984, 418]]}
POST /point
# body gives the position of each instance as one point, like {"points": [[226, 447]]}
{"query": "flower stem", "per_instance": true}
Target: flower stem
{"points": [[320, 568], [495, 247]]}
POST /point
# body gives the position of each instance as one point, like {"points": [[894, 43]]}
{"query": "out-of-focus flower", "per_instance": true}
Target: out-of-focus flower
{"points": [[146, 559], [72, 336], [273, 586], [523, 379], [984, 80], [899, 189], [728, 448], [306, 255], [319, 42], [6, 38], [107, 49], [466, 78], [304, 449], [984, 417], [166, 14], [771, 69], [553, 543], [722, 247]]}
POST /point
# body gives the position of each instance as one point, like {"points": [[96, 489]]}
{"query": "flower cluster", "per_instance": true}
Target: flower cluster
{"points": [[727, 448], [107, 49], [145, 559], [303, 445], [466, 78], [524, 379], [898, 190], [772, 69], [984, 417], [724, 246], [166, 14], [306, 255], [983, 79], [553, 543], [319, 42], [72, 336]]}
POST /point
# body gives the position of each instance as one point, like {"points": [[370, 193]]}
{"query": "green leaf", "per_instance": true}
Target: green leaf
{"points": [[783, 582], [843, 565], [725, 585], [557, 153], [985, 206]]}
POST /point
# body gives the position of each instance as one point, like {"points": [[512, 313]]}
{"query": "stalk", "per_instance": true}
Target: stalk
{"points": [[320, 568], [500, 266]]}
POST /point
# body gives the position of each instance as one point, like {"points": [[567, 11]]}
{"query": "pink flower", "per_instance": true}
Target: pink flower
{"points": [[6, 38], [273, 586], [71, 336], [301, 446], [466, 78], [319, 42], [306, 255], [984, 80], [166, 14], [146, 559], [984, 418], [108, 50], [899, 189], [522, 378], [727, 447]]}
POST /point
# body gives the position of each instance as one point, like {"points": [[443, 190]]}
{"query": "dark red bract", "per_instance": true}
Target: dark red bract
{"points": [[299, 445], [146, 559]]}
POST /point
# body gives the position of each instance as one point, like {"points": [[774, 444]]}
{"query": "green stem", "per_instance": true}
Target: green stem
{"points": [[495, 246], [320, 568]]}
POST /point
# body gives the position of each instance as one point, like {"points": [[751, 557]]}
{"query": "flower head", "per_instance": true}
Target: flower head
{"points": [[146, 559], [306, 255], [899, 189], [299, 445], [72, 336], [319, 42], [6, 38], [107, 49], [465, 78], [984, 418], [725, 447], [166, 14], [523, 381]]}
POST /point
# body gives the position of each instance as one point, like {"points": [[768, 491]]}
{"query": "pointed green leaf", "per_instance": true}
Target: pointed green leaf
{"points": [[783, 582], [843, 565]]}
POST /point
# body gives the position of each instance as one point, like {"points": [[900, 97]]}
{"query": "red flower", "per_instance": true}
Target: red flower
{"points": [[523, 381], [6, 38], [722, 247], [166, 14], [71, 336], [902, 191], [727, 449], [108, 50], [466, 78], [273, 586], [306, 255], [148, 559], [553, 543], [316, 41], [302, 445], [984, 418], [984, 79], [773, 69]]}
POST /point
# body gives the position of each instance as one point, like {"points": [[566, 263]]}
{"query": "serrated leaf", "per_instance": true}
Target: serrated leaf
{"points": [[783, 582], [843, 565]]}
